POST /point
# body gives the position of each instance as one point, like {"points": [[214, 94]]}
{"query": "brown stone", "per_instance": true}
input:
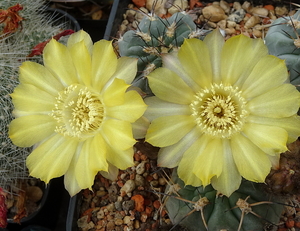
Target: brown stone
{"points": [[214, 13]]}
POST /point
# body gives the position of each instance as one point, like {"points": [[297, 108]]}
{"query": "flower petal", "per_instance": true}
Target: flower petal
{"points": [[239, 55], [132, 108], [70, 180], [82, 62], [209, 162], [126, 69], [58, 61], [286, 103], [268, 67], [81, 36], [112, 172], [168, 86], [140, 127], [188, 164], [168, 130], [115, 93], [51, 158], [230, 178], [290, 124], [122, 159], [92, 159], [270, 139], [252, 163], [195, 59], [29, 130], [104, 63], [215, 42], [170, 156], [118, 134], [39, 76], [30, 99], [156, 106], [171, 62]]}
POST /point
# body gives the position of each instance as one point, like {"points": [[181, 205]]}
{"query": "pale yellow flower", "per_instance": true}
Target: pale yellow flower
{"points": [[222, 111], [77, 111]]}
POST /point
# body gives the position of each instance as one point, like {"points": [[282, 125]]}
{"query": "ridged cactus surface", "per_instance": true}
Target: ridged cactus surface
{"points": [[221, 212], [154, 37], [283, 41]]}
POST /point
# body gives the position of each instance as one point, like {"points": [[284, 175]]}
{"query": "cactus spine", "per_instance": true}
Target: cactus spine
{"points": [[154, 37], [14, 47]]}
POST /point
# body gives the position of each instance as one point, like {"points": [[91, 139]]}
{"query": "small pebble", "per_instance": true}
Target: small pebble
{"points": [[128, 187], [140, 169], [127, 220], [128, 205], [214, 13], [118, 221]]}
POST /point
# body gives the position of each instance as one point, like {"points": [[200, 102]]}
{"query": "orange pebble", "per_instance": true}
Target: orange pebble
{"points": [[139, 202], [156, 204], [148, 210], [290, 223], [139, 3], [269, 7], [297, 224]]}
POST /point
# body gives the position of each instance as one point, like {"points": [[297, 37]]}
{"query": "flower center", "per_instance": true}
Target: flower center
{"points": [[219, 110], [78, 111]]}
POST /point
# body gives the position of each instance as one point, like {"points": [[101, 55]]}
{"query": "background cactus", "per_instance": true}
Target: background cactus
{"points": [[154, 37], [15, 45], [283, 41], [220, 212]]}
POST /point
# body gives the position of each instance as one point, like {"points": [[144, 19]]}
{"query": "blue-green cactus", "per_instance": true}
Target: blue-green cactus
{"points": [[218, 212], [283, 41], [154, 37]]}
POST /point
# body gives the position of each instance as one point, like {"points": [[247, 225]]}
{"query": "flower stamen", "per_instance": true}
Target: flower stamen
{"points": [[78, 112], [219, 110]]}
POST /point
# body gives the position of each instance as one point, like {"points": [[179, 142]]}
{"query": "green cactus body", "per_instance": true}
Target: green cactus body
{"points": [[154, 37], [221, 212], [283, 41]]}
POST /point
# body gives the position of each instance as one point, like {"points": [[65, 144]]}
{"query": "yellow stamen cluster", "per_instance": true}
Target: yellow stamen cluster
{"points": [[219, 110], [78, 111]]}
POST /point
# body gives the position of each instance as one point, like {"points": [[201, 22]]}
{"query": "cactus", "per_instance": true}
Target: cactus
{"points": [[154, 37], [283, 41], [31, 28], [201, 208]]}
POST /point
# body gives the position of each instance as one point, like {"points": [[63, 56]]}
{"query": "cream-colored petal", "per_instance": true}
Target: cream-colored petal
{"points": [[263, 78], [130, 110], [168, 130], [188, 163], [215, 42], [170, 156], [118, 133], [156, 106], [70, 181], [112, 172], [29, 130], [239, 55], [31, 99], [58, 60], [206, 165], [252, 163], [104, 63], [270, 139], [51, 158], [275, 160], [290, 124], [91, 160], [230, 178], [39, 76], [172, 62], [82, 62], [168, 86], [81, 36], [114, 95], [140, 127], [195, 59], [122, 159], [282, 101], [126, 69]]}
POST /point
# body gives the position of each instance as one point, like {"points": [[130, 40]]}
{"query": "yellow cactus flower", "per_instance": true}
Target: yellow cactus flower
{"points": [[77, 111], [222, 111]]}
